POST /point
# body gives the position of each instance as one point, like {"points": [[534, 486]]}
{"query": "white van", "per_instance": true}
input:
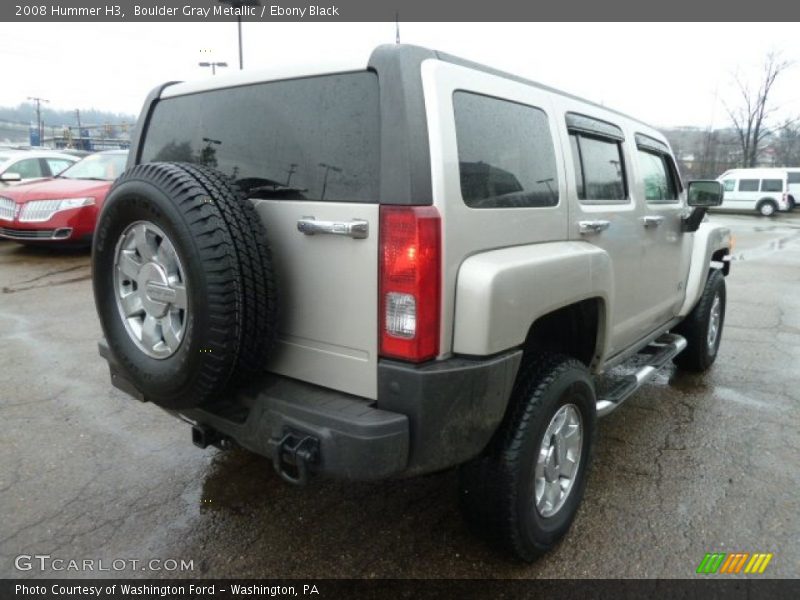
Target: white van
{"points": [[762, 190]]}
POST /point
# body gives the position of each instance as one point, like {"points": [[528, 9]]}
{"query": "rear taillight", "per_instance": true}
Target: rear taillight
{"points": [[410, 286]]}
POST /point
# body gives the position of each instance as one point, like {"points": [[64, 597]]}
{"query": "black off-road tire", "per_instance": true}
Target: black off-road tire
{"points": [[698, 356], [497, 496], [222, 245]]}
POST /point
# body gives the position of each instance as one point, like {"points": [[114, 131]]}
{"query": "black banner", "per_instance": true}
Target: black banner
{"points": [[707, 588], [408, 10]]}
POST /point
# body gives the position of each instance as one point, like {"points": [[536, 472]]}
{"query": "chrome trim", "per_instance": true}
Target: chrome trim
{"points": [[357, 229], [672, 344], [587, 227], [38, 211], [27, 234], [652, 220], [7, 207]]}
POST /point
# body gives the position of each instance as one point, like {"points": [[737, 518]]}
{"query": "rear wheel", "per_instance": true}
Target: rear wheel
{"points": [[183, 283], [767, 208], [524, 491]]}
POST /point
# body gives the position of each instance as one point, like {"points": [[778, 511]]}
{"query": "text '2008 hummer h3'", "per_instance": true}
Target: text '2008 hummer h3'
{"points": [[387, 269]]}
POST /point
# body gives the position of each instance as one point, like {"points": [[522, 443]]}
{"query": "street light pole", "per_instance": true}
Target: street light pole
{"points": [[237, 5], [213, 65], [241, 58]]}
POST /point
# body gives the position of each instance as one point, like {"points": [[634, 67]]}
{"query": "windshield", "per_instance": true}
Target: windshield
{"points": [[97, 166]]}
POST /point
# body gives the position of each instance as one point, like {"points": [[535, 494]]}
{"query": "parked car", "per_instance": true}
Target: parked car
{"points": [[458, 255], [22, 166], [765, 191], [64, 208]]}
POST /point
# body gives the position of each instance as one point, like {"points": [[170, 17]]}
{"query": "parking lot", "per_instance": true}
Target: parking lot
{"points": [[691, 464]]}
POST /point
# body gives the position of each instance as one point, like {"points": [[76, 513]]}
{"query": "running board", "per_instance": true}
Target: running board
{"points": [[653, 357]]}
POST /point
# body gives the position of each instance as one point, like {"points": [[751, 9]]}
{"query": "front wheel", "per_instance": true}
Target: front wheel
{"points": [[524, 491], [702, 327]]}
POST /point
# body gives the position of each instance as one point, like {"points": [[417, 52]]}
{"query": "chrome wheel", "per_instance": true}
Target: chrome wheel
{"points": [[767, 209], [714, 318], [150, 289], [558, 460]]}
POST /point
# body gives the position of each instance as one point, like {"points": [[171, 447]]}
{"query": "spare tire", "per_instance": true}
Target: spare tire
{"points": [[183, 283]]}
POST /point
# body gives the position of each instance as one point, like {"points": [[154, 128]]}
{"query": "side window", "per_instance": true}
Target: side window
{"points": [[506, 157], [56, 165], [772, 185], [748, 185], [729, 184], [794, 177], [659, 185], [27, 168], [600, 166]]}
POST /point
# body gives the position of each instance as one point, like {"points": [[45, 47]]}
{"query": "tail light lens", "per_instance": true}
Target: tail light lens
{"points": [[410, 282]]}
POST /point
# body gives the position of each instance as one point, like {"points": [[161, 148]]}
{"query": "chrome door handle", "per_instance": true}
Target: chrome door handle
{"points": [[585, 227], [357, 228], [652, 220]]}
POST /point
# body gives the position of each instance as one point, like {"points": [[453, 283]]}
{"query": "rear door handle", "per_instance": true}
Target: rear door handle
{"points": [[587, 227], [357, 228], [652, 220]]}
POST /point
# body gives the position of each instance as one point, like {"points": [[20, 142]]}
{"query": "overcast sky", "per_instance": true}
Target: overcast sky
{"points": [[663, 73]]}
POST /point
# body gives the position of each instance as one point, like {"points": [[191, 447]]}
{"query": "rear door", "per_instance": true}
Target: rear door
{"points": [[306, 151], [793, 185], [604, 213]]}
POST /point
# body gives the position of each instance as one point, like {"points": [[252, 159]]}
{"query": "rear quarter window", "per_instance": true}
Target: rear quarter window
{"points": [[771, 185], [506, 157], [305, 139]]}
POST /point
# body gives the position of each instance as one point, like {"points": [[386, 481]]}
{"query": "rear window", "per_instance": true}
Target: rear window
{"points": [[303, 139], [771, 185], [748, 185], [506, 157]]}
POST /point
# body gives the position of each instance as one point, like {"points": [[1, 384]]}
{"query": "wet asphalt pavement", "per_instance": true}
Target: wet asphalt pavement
{"points": [[691, 464]]}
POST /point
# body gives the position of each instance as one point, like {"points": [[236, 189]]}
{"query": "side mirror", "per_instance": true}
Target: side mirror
{"points": [[705, 193], [10, 177]]}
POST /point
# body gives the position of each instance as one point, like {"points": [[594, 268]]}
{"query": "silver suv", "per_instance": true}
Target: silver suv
{"points": [[397, 267]]}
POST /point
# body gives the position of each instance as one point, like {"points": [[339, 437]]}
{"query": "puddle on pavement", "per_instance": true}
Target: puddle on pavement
{"points": [[688, 383]]}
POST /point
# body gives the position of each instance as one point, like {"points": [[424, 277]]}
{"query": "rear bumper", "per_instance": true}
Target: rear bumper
{"points": [[426, 418]]}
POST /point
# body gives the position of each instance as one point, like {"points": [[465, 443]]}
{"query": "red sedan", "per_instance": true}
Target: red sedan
{"points": [[62, 209]]}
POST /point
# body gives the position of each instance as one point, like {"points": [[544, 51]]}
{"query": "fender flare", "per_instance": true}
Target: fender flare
{"points": [[500, 293], [708, 239]]}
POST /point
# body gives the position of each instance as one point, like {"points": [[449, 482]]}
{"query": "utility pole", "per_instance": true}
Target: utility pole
{"points": [[38, 102], [80, 135]]}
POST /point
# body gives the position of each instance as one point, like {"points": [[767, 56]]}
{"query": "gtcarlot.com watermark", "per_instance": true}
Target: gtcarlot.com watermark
{"points": [[46, 562]]}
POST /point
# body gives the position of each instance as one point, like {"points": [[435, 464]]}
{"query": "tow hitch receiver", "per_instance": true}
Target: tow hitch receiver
{"points": [[293, 455]]}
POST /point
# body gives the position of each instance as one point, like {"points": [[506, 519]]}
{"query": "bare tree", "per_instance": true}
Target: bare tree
{"points": [[750, 119], [787, 144]]}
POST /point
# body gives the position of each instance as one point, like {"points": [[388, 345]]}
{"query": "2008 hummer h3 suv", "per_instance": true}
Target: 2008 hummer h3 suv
{"points": [[389, 269]]}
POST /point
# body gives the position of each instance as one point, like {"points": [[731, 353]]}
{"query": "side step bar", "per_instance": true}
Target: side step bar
{"points": [[654, 356]]}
